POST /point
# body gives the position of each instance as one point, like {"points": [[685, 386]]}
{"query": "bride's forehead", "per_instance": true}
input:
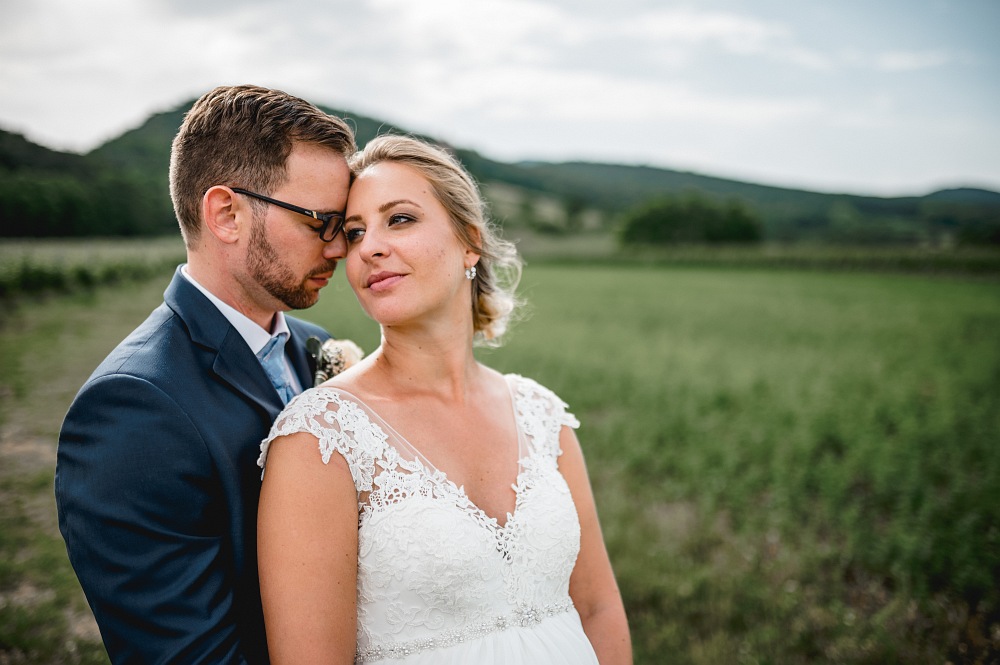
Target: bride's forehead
{"points": [[394, 174], [389, 181]]}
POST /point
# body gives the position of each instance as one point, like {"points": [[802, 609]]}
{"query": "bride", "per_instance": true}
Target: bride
{"points": [[421, 507]]}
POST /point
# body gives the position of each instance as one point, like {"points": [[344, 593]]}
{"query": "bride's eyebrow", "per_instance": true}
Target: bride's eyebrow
{"points": [[384, 207], [393, 204]]}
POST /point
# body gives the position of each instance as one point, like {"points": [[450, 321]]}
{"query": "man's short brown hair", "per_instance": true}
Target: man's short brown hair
{"points": [[241, 136]]}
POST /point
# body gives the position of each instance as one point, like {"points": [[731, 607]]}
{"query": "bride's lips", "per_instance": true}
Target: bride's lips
{"points": [[381, 281]]}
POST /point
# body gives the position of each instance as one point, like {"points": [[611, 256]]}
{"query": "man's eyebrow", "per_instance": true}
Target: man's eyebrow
{"points": [[388, 205]]}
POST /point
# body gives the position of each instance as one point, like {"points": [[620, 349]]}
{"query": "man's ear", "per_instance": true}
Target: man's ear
{"points": [[224, 213]]}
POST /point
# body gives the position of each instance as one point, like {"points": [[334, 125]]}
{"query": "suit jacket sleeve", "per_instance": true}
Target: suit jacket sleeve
{"points": [[136, 489]]}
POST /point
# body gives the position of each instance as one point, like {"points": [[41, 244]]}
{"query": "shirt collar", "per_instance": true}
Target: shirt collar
{"points": [[255, 336]]}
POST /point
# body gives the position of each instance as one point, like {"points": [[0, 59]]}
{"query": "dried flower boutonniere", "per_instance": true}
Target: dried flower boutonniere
{"points": [[332, 357]]}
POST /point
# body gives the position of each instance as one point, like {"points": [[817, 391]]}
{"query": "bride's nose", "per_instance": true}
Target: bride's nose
{"points": [[374, 243]]}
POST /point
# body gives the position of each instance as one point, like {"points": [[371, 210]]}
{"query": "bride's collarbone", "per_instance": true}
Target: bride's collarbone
{"points": [[462, 443], [474, 450], [428, 421], [473, 441]]}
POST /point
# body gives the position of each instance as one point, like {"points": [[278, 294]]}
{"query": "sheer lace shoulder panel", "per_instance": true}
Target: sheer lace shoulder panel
{"points": [[340, 424], [541, 414]]}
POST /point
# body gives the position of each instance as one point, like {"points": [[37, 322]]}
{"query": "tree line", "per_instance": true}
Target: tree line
{"points": [[49, 194], [690, 218], [46, 205], [120, 189]]}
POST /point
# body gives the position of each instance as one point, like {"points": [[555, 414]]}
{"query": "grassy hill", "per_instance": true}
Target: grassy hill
{"points": [[551, 198], [19, 154]]}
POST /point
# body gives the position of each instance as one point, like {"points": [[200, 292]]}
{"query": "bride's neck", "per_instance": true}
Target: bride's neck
{"points": [[442, 367]]}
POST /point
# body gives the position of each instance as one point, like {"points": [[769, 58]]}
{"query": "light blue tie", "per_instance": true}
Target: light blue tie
{"points": [[272, 357]]}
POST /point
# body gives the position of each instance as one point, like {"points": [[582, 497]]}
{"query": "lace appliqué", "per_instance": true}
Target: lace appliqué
{"points": [[433, 569]]}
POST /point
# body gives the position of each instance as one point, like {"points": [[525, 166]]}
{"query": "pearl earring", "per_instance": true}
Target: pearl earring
{"points": [[470, 273]]}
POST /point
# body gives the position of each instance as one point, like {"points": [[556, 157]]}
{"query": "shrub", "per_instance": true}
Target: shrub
{"points": [[690, 219]]}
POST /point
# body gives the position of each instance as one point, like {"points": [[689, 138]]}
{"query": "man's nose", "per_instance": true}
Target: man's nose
{"points": [[336, 248]]}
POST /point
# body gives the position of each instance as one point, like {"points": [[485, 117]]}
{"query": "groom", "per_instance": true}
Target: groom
{"points": [[156, 479]]}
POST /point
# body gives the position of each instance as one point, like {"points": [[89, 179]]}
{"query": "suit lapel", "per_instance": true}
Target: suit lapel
{"points": [[238, 367], [233, 362], [303, 364]]}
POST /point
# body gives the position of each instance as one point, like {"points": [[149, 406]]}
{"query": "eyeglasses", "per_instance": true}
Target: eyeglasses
{"points": [[333, 222]]}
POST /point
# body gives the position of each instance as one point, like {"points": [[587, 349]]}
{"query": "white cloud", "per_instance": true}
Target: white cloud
{"points": [[719, 83], [734, 31], [907, 61], [510, 92], [467, 33], [702, 32]]}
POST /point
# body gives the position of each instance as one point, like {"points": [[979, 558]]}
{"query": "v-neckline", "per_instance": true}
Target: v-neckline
{"points": [[436, 474]]}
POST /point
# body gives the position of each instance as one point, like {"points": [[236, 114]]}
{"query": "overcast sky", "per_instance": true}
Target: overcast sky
{"points": [[889, 97]]}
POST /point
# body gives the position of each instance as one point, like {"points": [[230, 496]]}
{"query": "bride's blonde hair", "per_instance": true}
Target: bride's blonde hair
{"points": [[499, 269]]}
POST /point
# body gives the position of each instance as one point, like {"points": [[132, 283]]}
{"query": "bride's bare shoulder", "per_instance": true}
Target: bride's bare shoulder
{"points": [[360, 382]]}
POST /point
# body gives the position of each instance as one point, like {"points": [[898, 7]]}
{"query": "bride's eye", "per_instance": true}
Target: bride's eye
{"points": [[353, 235], [400, 218]]}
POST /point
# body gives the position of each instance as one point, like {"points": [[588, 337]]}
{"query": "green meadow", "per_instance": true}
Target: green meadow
{"points": [[791, 466]]}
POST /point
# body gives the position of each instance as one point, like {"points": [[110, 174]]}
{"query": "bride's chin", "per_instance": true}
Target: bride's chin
{"points": [[386, 318]]}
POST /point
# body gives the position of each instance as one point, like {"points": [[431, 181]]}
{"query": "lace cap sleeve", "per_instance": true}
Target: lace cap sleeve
{"points": [[542, 414], [339, 424]]}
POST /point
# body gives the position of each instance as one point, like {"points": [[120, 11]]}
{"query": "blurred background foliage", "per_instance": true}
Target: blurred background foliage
{"points": [[118, 189], [791, 466], [790, 400]]}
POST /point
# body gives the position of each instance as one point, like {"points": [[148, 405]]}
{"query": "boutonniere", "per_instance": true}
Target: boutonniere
{"points": [[332, 357]]}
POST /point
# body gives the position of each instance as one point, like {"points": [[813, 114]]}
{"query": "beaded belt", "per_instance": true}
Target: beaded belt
{"points": [[523, 617]]}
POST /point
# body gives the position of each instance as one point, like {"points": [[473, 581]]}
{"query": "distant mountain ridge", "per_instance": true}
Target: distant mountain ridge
{"points": [[966, 195], [141, 155], [17, 153]]}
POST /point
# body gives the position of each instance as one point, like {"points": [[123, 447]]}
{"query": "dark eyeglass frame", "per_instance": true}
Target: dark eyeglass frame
{"points": [[326, 232]]}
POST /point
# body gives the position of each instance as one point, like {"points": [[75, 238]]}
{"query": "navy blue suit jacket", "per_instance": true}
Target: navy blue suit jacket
{"points": [[157, 485]]}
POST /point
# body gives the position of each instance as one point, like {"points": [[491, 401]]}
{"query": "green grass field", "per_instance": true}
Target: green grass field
{"points": [[791, 466]]}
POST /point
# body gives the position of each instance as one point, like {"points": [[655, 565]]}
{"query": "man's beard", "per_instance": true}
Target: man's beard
{"points": [[267, 269]]}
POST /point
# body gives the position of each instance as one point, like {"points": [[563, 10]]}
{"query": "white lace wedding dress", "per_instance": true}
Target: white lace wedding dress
{"points": [[439, 581]]}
